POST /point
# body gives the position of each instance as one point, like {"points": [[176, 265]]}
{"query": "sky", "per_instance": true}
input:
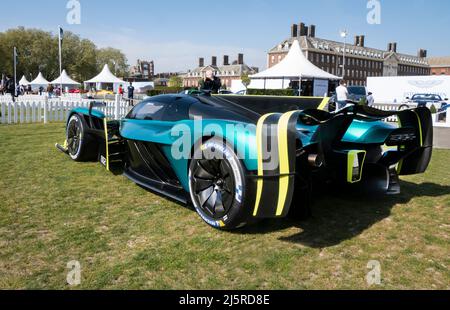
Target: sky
{"points": [[176, 33]]}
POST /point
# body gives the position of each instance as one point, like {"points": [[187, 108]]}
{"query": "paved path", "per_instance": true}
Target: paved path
{"points": [[442, 138]]}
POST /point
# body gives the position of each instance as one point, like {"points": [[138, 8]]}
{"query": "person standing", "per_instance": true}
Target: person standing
{"points": [[370, 99], [121, 90], [131, 93], [3, 84], [211, 83], [11, 89], [342, 95]]}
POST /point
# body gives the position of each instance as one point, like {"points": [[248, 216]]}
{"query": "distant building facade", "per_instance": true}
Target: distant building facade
{"points": [[360, 61], [227, 72], [439, 65], [143, 70]]}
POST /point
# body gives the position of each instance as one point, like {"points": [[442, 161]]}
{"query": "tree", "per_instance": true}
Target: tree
{"points": [[38, 51], [245, 80], [176, 81], [115, 59]]}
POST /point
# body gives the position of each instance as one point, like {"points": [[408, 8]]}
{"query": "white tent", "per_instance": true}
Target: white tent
{"points": [[65, 80], [39, 81], [294, 67], [24, 81], [105, 77]]}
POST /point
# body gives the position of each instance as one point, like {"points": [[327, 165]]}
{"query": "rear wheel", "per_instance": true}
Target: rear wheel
{"points": [[80, 145], [217, 186]]}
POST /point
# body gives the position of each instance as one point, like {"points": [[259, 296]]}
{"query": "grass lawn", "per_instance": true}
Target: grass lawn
{"points": [[53, 211]]}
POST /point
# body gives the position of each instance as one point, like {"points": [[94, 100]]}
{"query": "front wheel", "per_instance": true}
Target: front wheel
{"points": [[218, 186], [80, 146]]}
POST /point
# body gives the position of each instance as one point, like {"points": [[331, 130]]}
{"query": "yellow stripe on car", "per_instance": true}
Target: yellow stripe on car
{"points": [[259, 145], [420, 128], [283, 150], [105, 123], [324, 103]]}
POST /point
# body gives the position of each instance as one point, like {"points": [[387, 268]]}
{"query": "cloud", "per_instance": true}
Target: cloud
{"points": [[175, 55]]}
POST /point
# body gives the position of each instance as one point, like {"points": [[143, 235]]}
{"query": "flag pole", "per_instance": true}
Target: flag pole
{"points": [[15, 70], [60, 60]]}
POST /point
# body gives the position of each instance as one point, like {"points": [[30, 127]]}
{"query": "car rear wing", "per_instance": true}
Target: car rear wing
{"points": [[277, 140]]}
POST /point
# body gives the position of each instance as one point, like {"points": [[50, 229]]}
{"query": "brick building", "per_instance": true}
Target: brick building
{"points": [[143, 70], [439, 65], [227, 72], [360, 61]]}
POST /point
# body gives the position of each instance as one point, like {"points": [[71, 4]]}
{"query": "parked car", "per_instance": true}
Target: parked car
{"points": [[226, 176], [423, 100], [442, 115], [356, 93]]}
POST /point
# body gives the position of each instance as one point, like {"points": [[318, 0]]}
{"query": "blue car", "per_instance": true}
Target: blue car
{"points": [[238, 159]]}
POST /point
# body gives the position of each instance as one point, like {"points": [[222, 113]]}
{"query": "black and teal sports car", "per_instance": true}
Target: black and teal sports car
{"points": [[237, 159]]}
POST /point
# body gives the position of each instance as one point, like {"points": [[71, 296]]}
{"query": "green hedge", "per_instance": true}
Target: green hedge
{"points": [[164, 90], [271, 92]]}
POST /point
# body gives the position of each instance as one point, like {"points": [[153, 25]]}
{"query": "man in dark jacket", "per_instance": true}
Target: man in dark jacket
{"points": [[11, 89], [211, 83]]}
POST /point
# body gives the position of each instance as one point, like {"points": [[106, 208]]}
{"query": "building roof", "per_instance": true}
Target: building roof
{"points": [[295, 64], [439, 61], [329, 46], [222, 71]]}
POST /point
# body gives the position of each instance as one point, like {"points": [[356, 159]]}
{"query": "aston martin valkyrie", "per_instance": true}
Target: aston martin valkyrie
{"points": [[238, 159]]}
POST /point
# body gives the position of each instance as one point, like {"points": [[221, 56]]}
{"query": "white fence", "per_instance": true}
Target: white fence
{"points": [[41, 109], [439, 119]]}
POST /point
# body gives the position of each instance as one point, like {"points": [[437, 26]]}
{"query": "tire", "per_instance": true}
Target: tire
{"points": [[218, 186], [81, 146]]}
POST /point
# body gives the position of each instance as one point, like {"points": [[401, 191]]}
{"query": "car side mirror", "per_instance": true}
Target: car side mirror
{"points": [[407, 98], [446, 99]]}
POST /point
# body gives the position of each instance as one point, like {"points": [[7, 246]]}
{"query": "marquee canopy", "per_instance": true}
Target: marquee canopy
{"points": [[65, 79], [295, 65], [39, 80], [24, 81], [106, 77]]}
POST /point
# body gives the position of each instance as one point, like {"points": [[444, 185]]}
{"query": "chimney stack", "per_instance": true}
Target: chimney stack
{"points": [[312, 31], [302, 30], [392, 47], [422, 53], [226, 60], [240, 59], [214, 61], [357, 40], [201, 62], [294, 31], [362, 40]]}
